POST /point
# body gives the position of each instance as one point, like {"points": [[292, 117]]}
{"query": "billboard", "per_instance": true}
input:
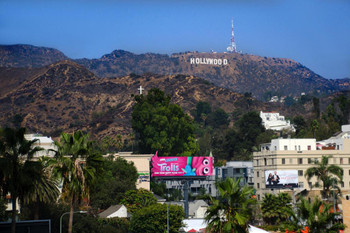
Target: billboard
{"points": [[182, 166], [281, 178]]}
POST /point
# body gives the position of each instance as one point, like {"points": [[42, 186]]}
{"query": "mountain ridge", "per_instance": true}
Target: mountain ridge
{"points": [[243, 72]]}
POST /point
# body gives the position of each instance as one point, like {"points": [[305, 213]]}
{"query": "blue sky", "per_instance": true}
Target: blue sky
{"points": [[315, 33]]}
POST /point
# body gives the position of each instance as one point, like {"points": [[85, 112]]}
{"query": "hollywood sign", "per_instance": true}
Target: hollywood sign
{"points": [[209, 61]]}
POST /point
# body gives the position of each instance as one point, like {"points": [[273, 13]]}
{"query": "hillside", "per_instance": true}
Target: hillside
{"points": [[28, 56], [242, 73], [66, 96]]}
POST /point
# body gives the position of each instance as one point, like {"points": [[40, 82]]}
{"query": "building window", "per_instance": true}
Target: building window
{"points": [[272, 161], [258, 197], [300, 172], [258, 185], [285, 147], [295, 147], [238, 170], [342, 184], [275, 147], [337, 147], [309, 160], [308, 147], [310, 184], [283, 161], [298, 148], [257, 162], [341, 160], [265, 162], [257, 174], [301, 184], [300, 160], [334, 160]]}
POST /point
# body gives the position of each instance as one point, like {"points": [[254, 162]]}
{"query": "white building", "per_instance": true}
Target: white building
{"points": [[273, 121], [44, 142], [299, 155]]}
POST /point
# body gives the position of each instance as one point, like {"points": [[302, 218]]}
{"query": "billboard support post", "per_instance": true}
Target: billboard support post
{"points": [[186, 197]]}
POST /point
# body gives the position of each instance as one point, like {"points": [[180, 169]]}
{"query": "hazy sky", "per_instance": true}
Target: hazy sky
{"points": [[315, 33]]}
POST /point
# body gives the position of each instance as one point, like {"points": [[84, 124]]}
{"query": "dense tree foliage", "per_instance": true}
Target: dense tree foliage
{"points": [[138, 199], [117, 177], [44, 190], [18, 173], [154, 219], [317, 216], [276, 208], [201, 112], [3, 207], [232, 210], [239, 143], [162, 126], [217, 119]]}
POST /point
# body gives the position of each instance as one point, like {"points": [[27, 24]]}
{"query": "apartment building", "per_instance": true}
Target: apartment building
{"points": [[298, 155]]}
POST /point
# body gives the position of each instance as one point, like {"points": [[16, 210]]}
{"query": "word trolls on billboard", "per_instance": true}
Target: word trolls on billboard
{"points": [[182, 166]]}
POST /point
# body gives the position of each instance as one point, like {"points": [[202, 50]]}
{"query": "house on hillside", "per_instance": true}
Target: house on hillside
{"points": [[274, 121]]}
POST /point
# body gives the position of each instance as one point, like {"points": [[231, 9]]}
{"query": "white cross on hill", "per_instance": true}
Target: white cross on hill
{"points": [[140, 89]]}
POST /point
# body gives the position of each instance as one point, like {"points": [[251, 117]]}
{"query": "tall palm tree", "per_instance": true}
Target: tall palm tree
{"points": [[330, 175], [76, 165], [17, 172], [45, 188], [232, 210]]}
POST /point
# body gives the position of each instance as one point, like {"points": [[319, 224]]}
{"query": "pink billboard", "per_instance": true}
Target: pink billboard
{"points": [[182, 166]]}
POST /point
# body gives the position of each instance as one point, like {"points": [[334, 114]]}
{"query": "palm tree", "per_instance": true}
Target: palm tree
{"points": [[45, 188], [77, 165], [330, 175], [314, 127], [317, 216], [232, 210], [275, 209], [17, 172]]}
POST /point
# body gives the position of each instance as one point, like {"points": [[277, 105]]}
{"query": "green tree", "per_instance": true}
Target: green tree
{"points": [[300, 126], [217, 119], [162, 126], [111, 144], [344, 105], [249, 128], [232, 210], [317, 216], [17, 171], [329, 174], [314, 127], [202, 110], [117, 177], [77, 165], [276, 209], [138, 199], [44, 189], [154, 219], [3, 208], [316, 107]]}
